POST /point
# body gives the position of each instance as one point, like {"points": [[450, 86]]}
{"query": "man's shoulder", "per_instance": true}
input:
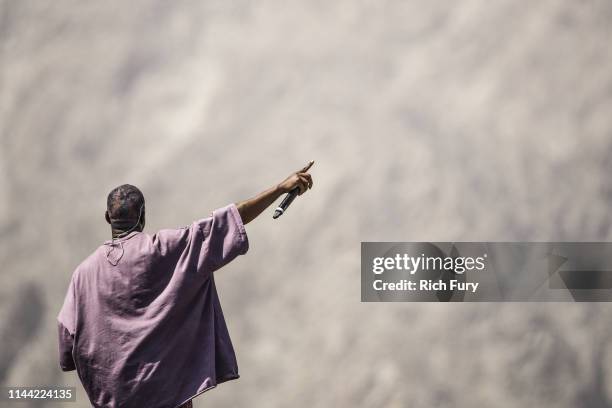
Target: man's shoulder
{"points": [[89, 262], [170, 239]]}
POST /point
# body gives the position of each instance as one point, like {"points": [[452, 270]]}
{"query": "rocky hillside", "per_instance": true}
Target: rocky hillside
{"points": [[429, 121]]}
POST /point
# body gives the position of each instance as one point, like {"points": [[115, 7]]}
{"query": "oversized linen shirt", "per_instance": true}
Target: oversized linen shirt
{"points": [[149, 331]]}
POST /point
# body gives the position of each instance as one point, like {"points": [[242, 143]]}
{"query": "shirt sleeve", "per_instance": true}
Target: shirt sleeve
{"points": [[66, 328], [66, 344], [224, 237]]}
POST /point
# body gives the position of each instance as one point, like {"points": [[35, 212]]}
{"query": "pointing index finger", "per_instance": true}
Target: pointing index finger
{"points": [[309, 165]]}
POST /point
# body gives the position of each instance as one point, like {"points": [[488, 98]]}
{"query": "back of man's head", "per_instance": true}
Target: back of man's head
{"points": [[124, 206]]}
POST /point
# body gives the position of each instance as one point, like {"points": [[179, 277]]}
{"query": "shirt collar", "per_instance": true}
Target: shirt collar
{"points": [[128, 236]]}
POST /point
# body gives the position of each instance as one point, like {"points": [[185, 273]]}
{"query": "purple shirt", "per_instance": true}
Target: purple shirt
{"points": [[149, 331]]}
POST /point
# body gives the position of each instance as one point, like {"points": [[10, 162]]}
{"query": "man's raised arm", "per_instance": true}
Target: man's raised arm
{"points": [[251, 208]]}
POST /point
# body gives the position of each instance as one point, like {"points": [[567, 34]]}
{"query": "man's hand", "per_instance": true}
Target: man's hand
{"points": [[251, 208], [300, 179]]}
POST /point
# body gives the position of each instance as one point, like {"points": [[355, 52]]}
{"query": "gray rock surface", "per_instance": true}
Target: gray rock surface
{"points": [[429, 121]]}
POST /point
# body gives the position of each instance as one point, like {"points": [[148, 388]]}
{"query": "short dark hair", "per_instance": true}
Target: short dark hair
{"points": [[124, 203]]}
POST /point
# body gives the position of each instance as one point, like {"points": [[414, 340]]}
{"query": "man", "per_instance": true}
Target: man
{"points": [[141, 322]]}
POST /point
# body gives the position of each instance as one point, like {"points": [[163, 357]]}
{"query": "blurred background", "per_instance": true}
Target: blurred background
{"points": [[428, 121]]}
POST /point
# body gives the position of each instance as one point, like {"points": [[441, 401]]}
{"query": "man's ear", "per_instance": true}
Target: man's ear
{"points": [[107, 217]]}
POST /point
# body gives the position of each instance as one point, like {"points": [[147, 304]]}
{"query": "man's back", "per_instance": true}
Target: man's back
{"points": [[142, 323]]}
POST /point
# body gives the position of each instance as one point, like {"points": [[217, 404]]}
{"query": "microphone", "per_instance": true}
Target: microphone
{"points": [[286, 202]]}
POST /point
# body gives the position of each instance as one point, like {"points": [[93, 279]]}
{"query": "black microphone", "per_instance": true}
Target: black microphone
{"points": [[285, 203]]}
